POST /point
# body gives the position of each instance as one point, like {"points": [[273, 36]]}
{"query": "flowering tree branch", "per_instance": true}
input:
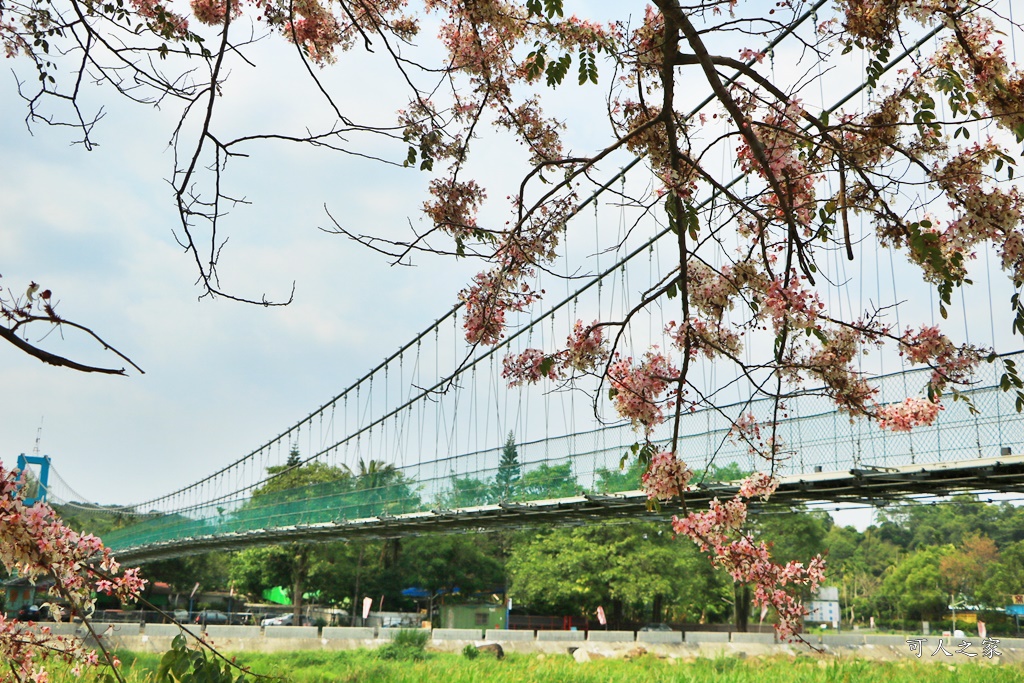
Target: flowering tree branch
{"points": [[35, 306]]}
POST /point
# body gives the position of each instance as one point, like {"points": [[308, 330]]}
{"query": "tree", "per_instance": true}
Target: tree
{"points": [[752, 267], [548, 481], [1006, 578], [380, 488], [509, 471], [449, 564], [914, 588], [625, 479], [466, 492], [293, 563], [635, 571], [913, 526], [966, 570]]}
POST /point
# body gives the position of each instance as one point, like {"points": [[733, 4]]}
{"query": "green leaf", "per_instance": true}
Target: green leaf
{"points": [[553, 7], [536, 61], [692, 221], [588, 67], [557, 69]]}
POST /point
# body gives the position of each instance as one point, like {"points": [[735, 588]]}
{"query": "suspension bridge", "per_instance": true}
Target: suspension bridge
{"points": [[576, 478], [431, 440]]}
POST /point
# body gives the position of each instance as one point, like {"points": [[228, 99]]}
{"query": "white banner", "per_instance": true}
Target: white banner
{"points": [[367, 604]]}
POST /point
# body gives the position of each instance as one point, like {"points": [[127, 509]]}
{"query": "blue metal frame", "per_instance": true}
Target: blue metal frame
{"points": [[44, 474]]}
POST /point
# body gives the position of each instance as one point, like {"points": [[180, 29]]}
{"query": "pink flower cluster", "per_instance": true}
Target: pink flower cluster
{"points": [[315, 29], [712, 292], [454, 207], [212, 12], [638, 389], [781, 143], [526, 368], [949, 363], [758, 485], [986, 211], [666, 477], [586, 347], [909, 413], [160, 19], [792, 303], [585, 352], [711, 339], [747, 430], [35, 544], [718, 531], [492, 294], [832, 363]]}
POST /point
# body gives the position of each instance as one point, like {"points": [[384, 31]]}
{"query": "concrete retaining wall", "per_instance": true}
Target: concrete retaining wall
{"points": [[223, 631], [164, 630], [694, 637], [611, 636], [116, 630], [568, 636], [457, 634], [347, 633], [287, 631], [664, 637], [503, 635], [847, 640], [763, 638], [899, 641], [157, 638]]}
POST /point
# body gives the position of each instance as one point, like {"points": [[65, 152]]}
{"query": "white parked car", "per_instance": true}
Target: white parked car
{"points": [[284, 620]]}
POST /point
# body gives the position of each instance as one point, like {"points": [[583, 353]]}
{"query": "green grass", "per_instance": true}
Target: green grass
{"points": [[365, 666]]}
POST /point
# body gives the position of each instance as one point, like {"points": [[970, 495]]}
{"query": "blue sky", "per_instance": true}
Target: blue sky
{"points": [[96, 228]]}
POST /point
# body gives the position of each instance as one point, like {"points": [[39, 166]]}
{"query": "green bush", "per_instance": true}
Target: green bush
{"points": [[470, 651], [409, 644], [412, 637]]}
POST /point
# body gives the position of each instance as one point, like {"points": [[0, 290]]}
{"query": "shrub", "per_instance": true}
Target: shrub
{"points": [[470, 651], [407, 645], [412, 637]]}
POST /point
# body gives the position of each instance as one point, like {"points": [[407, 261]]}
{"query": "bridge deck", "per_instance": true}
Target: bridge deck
{"points": [[866, 485]]}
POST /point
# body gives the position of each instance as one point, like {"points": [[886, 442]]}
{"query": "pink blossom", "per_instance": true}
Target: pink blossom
{"points": [[528, 368], [586, 348], [212, 12], [719, 532], [35, 544], [904, 416], [638, 389], [666, 477]]}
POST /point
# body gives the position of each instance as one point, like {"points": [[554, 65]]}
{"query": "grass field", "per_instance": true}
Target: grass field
{"points": [[367, 667]]}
